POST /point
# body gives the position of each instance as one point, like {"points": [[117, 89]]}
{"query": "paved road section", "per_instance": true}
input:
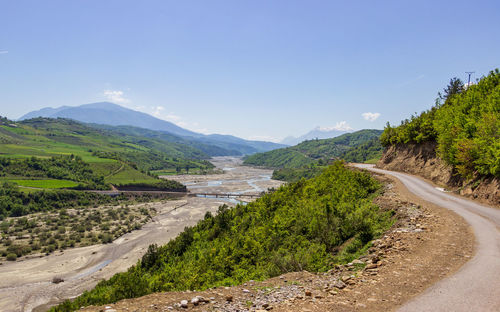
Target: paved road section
{"points": [[476, 286]]}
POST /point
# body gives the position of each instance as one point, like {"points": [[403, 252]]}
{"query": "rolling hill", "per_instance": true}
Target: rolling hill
{"points": [[311, 151], [118, 155], [105, 113]]}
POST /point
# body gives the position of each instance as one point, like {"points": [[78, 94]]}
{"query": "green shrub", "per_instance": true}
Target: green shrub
{"points": [[11, 257], [466, 128], [300, 226]]}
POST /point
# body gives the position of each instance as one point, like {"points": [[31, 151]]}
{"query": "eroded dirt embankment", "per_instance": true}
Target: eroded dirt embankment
{"points": [[421, 160]]}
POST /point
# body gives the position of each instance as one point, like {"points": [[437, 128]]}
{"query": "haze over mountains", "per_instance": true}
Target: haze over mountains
{"points": [[316, 133], [106, 113]]}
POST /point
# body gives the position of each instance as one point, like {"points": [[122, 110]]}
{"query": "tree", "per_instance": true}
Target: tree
{"points": [[455, 86]]}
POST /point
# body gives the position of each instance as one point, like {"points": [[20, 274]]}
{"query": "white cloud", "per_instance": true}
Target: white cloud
{"points": [[4, 51], [339, 126], [116, 96], [370, 116], [157, 111]]}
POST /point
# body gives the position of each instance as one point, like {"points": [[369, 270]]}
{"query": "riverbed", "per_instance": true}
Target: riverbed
{"points": [[26, 285]]}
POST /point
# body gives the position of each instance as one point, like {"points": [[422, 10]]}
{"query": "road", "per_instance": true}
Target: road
{"points": [[476, 286]]}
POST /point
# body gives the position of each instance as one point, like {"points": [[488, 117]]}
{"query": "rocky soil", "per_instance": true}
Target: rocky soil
{"points": [[421, 160], [426, 244]]}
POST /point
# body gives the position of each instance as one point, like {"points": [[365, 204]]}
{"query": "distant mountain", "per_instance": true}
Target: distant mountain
{"points": [[110, 114], [310, 151], [105, 113], [316, 133]]}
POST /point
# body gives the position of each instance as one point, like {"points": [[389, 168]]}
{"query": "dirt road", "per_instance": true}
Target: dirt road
{"points": [[27, 285], [476, 286]]}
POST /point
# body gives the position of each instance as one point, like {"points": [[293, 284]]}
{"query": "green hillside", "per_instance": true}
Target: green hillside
{"points": [[465, 124], [300, 226], [43, 148], [308, 152]]}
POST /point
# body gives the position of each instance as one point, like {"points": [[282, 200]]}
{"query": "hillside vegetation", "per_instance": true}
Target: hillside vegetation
{"points": [[68, 150], [42, 221], [300, 226], [464, 123], [110, 116], [310, 151]]}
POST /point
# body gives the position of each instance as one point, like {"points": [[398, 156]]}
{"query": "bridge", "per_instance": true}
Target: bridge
{"points": [[114, 193], [225, 195]]}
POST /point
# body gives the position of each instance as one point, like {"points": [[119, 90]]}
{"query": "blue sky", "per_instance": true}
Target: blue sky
{"points": [[255, 69]]}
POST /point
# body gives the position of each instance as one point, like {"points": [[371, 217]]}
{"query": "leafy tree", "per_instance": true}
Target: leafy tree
{"points": [[456, 86], [466, 128]]}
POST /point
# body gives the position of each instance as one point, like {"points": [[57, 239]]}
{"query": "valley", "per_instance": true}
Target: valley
{"points": [[249, 156], [28, 284]]}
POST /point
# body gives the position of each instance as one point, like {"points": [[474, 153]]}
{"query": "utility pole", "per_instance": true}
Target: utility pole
{"points": [[469, 73]]}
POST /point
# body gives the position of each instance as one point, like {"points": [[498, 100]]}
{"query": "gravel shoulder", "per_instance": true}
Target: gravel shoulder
{"points": [[476, 286]]}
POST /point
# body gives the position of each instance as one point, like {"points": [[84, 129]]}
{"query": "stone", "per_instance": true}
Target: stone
{"points": [[184, 304], [357, 261], [246, 290], [195, 301], [229, 298], [339, 285], [308, 293], [57, 280]]}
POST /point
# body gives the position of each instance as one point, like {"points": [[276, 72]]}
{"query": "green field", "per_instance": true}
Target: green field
{"points": [[129, 175], [48, 184]]}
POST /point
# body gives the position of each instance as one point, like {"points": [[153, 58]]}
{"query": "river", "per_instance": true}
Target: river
{"points": [[26, 285]]}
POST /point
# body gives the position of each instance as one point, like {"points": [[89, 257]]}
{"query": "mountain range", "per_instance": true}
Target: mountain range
{"points": [[316, 133], [106, 113]]}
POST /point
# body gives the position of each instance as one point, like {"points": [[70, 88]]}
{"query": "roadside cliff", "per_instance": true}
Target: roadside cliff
{"points": [[421, 160]]}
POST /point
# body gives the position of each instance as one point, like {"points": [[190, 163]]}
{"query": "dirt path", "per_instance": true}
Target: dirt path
{"points": [[476, 286], [27, 284]]}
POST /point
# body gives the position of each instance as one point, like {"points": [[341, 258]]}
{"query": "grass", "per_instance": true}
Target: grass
{"points": [[129, 175], [48, 184], [105, 168], [372, 161]]}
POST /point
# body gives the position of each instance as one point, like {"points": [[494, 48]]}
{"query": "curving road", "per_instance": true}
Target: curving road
{"points": [[476, 286]]}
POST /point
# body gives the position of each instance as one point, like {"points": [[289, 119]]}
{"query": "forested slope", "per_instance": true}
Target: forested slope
{"points": [[464, 124], [311, 151], [300, 226]]}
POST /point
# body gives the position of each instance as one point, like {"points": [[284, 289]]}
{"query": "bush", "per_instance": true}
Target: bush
{"points": [[11, 257], [300, 226]]}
